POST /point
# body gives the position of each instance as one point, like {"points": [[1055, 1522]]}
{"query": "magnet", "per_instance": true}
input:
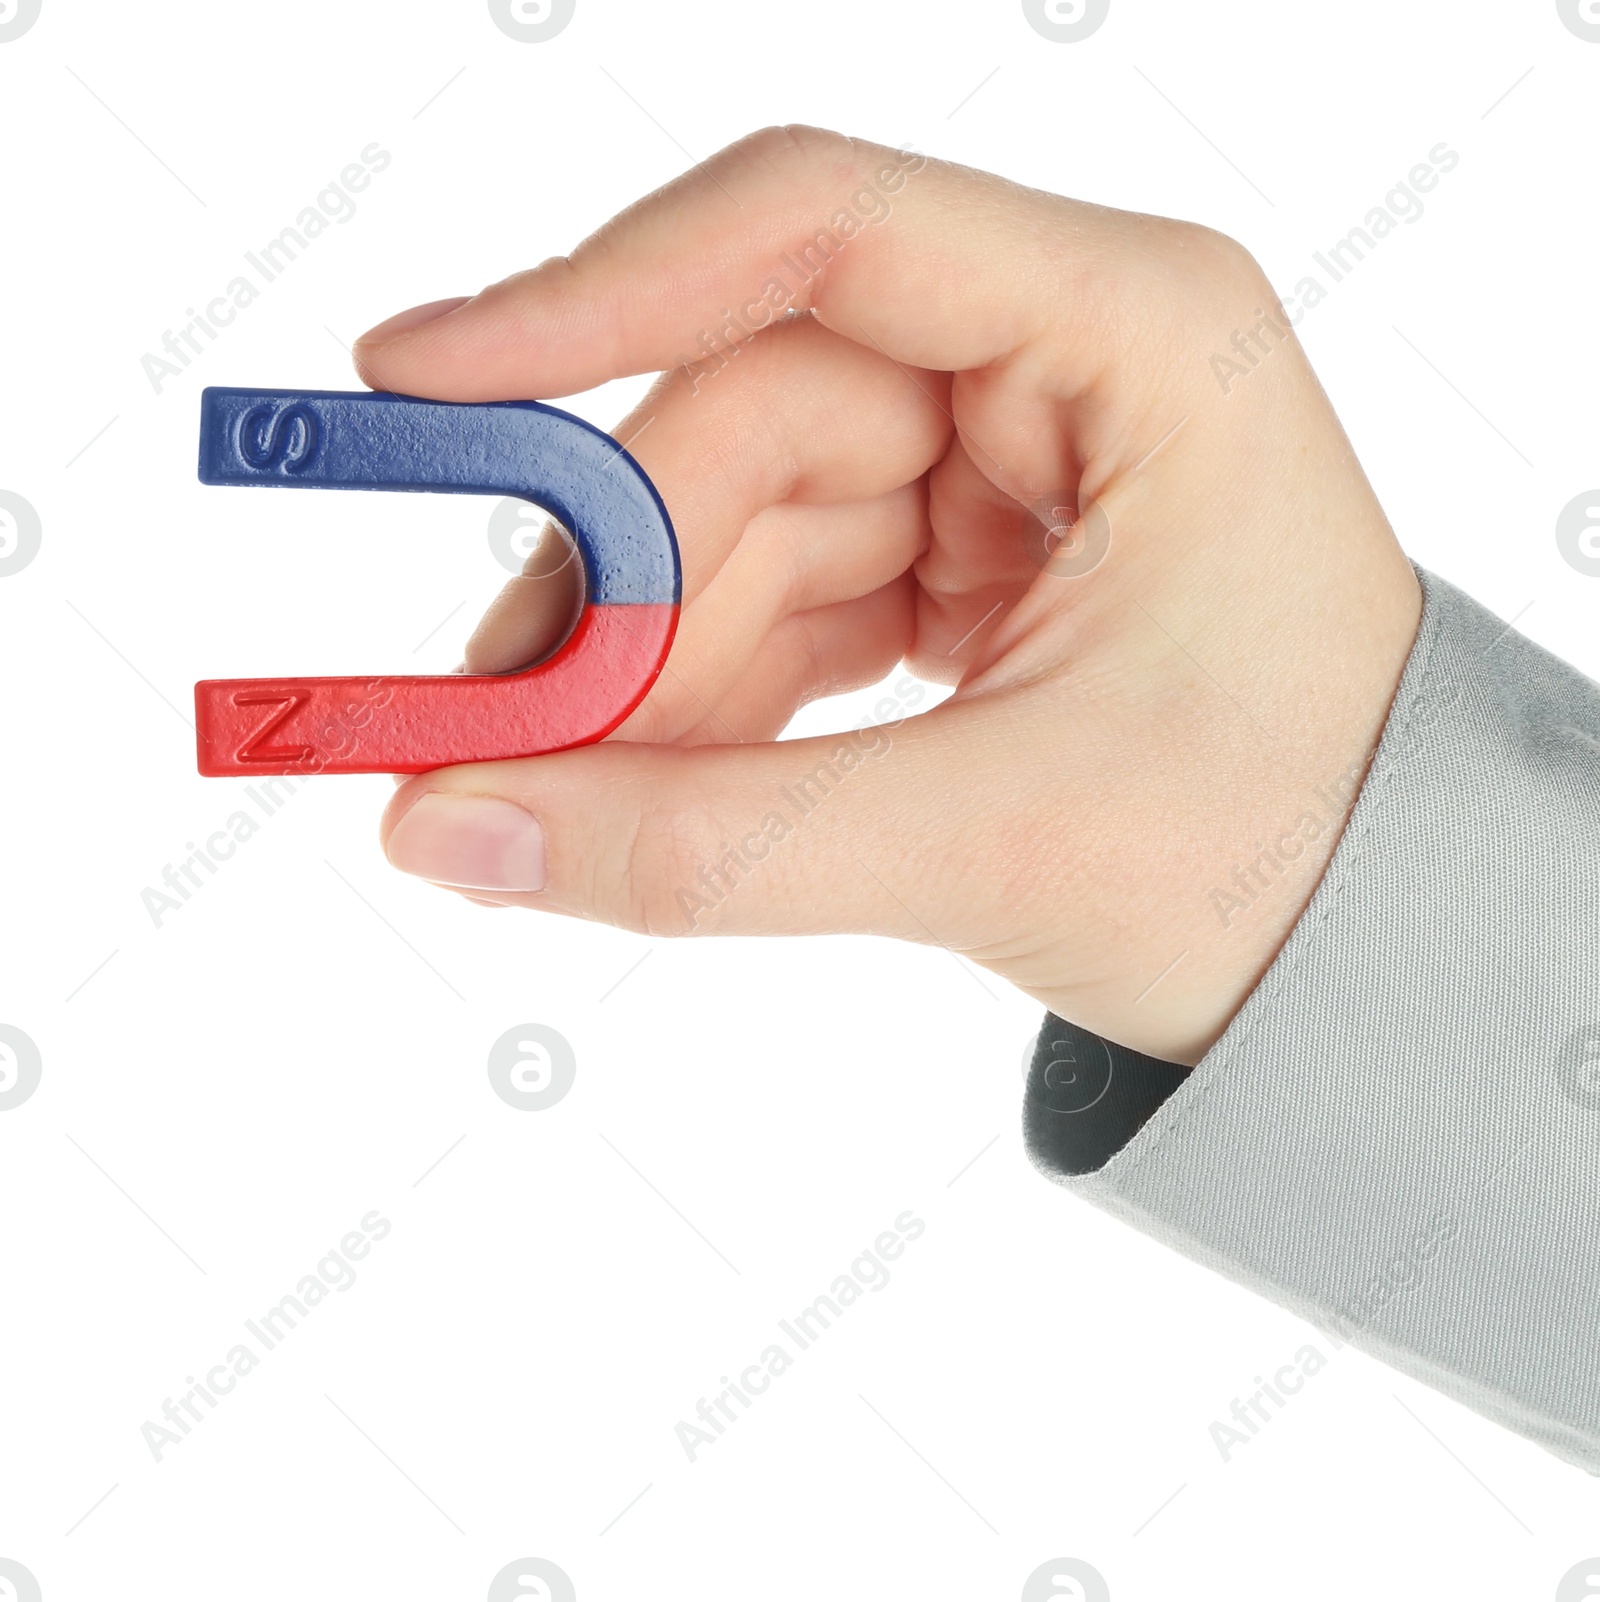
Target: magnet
{"points": [[322, 439]]}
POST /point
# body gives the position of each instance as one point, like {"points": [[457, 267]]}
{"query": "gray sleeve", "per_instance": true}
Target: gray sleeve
{"points": [[1398, 1137]]}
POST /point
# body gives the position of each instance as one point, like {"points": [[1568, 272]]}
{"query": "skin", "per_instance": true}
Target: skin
{"points": [[870, 480]]}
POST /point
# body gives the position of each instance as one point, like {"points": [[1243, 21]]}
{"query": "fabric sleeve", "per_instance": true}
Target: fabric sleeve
{"points": [[1398, 1136]]}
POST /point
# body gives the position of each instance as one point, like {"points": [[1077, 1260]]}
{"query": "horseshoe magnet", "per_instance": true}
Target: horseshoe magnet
{"points": [[322, 439]]}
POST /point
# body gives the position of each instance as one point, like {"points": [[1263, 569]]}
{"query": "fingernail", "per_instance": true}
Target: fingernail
{"points": [[404, 322], [473, 842]]}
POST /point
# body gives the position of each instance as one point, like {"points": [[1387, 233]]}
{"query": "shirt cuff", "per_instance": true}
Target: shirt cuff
{"points": [[1398, 1136]]}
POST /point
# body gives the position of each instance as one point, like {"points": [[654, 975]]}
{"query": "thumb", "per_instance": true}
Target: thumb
{"points": [[856, 832]]}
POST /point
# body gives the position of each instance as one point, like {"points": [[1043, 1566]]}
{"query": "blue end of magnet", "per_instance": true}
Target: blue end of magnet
{"points": [[332, 439]]}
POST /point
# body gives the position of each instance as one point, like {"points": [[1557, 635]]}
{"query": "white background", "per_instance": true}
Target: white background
{"points": [[225, 1096]]}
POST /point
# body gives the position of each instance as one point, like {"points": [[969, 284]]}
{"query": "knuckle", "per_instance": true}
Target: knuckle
{"points": [[656, 873], [1188, 281], [801, 652], [784, 147], [1213, 261], [785, 538]]}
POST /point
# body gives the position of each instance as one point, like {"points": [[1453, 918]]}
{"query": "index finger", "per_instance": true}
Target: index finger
{"points": [[935, 265]]}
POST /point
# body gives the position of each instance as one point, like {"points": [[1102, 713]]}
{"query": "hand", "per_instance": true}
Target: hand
{"points": [[871, 443]]}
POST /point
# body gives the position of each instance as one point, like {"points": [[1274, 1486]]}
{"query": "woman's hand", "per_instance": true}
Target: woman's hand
{"points": [[891, 384]]}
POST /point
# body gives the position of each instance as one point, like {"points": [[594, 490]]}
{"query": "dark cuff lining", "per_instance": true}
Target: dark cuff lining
{"points": [[1088, 1097]]}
